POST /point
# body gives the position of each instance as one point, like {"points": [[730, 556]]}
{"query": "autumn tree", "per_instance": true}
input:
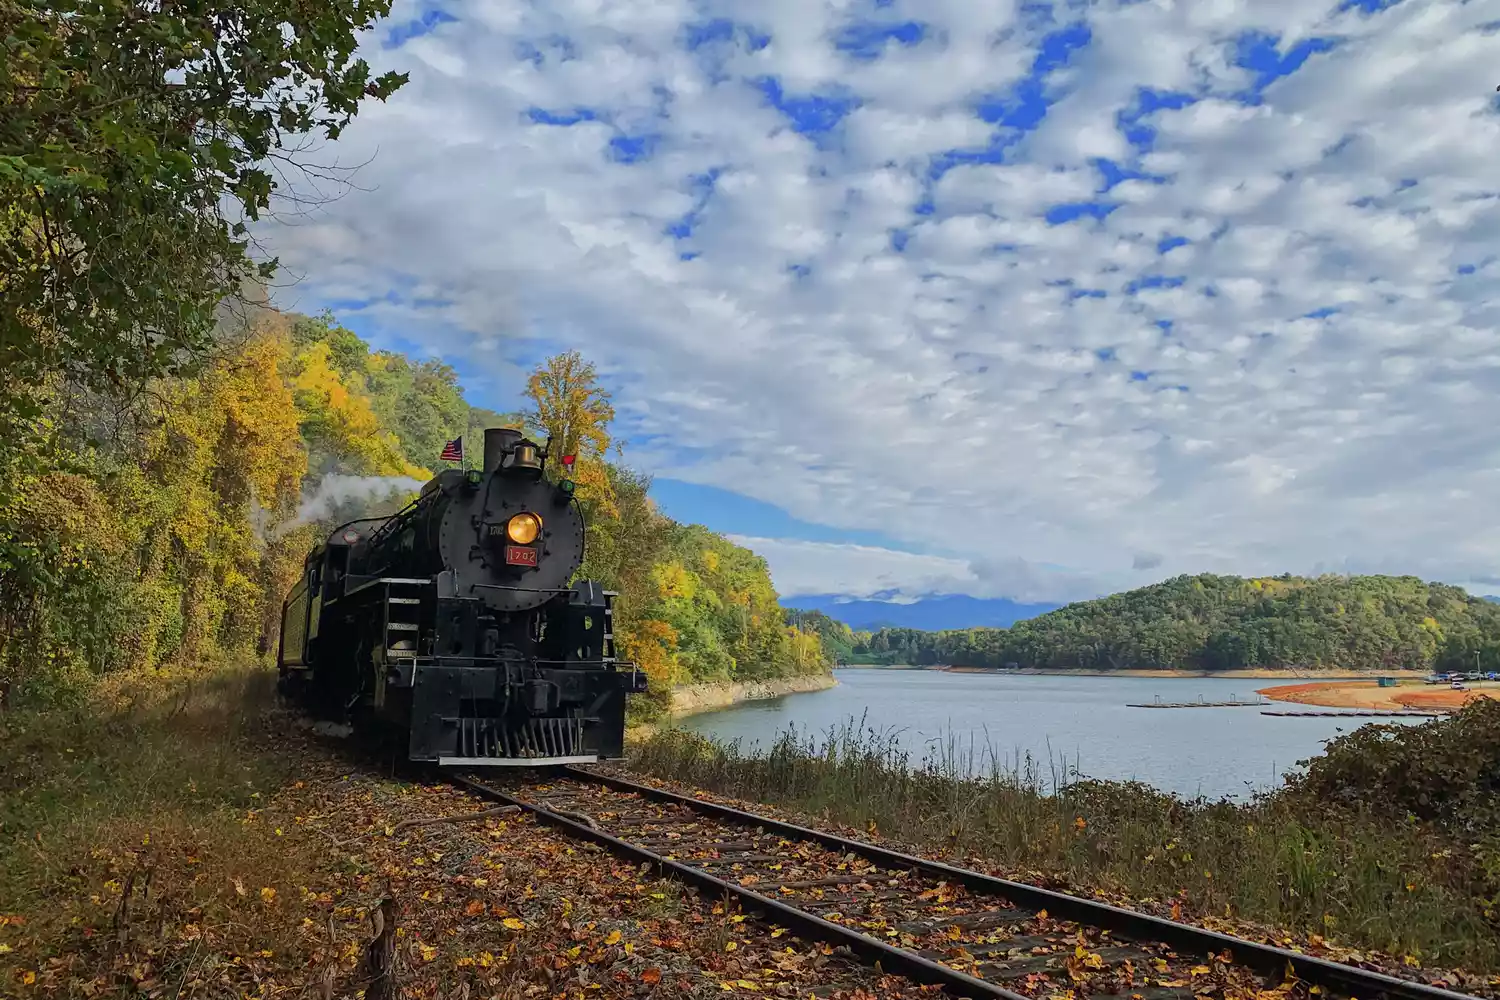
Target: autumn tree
{"points": [[574, 411], [137, 140]]}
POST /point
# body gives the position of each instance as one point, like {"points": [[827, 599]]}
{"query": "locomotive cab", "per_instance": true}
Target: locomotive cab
{"points": [[457, 621]]}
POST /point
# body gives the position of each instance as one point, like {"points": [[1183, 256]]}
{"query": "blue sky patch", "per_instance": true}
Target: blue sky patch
{"points": [[809, 114], [736, 514], [404, 32], [1261, 53], [702, 188], [1025, 104], [1155, 281], [1067, 212], [1131, 121], [573, 116], [723, 31], [632, 148], [1368, 6], [869, 41], [1112, 173], [1167, 243]]}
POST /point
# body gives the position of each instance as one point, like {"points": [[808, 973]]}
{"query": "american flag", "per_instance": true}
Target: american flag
{"points": [[453, 451]]}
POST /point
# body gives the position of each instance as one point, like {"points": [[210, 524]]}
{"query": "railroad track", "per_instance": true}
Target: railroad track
{"points": [[976, 935]]}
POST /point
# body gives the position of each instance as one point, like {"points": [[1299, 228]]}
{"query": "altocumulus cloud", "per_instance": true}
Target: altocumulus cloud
{"points": [[1017, 285]]}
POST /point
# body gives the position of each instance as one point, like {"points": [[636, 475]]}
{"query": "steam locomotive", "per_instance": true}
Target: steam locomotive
{"points": [[452, 623]]}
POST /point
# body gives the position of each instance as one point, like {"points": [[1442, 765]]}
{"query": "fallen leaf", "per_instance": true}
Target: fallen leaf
{"points": [[267, 895], [651, 975], [613, 937], [475, 908], [514, 924]]}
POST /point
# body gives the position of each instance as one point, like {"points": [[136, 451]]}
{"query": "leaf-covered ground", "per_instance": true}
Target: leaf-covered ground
{"points": [[281, 901]]}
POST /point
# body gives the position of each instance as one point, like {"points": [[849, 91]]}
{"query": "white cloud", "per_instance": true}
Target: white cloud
{"points": [[958, 395]]}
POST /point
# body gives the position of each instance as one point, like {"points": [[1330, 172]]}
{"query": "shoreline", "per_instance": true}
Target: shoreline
{"points": [[1240, 674], [695, 699], [1365, 694]]}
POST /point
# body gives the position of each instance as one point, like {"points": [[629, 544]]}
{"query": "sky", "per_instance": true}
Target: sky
{"points": [[1010, 299]]}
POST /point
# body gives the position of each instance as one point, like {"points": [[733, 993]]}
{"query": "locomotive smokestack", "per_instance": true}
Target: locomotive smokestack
{"points": [[497, 441]]}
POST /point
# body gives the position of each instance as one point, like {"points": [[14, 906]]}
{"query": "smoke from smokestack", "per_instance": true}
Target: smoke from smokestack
{"points": [[336, 490]]}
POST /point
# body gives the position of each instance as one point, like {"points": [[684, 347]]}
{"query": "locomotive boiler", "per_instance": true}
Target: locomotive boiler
{"points": [[453, 622]]}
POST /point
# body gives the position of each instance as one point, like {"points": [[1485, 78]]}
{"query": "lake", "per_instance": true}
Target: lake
{"points": [[1072, 721]]}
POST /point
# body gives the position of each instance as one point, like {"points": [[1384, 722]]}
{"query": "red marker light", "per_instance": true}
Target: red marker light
{"points": [[568, 460]]}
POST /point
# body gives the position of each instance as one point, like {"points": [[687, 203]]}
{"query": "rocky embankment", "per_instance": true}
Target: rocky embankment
{"points": [[696, 698]]}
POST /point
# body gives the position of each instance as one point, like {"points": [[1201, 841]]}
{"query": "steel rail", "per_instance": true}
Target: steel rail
{"points": [[1364, 984], [885, 957]]}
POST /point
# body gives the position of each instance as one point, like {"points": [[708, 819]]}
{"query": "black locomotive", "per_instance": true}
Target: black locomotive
{"points": [[453, 623]]}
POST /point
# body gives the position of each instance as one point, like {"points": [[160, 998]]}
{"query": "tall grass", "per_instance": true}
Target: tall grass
{"points": [[152, 785], [1371, 881]]}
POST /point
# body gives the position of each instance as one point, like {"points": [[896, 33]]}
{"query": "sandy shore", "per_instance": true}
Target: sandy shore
{"points": [[1366, 694]]}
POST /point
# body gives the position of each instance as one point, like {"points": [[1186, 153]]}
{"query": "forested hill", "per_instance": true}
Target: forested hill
{"points": [[163, 526], [1225, 622]]}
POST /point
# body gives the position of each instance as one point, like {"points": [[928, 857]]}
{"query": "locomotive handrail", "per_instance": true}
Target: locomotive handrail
{"points": [[387, 528], [527, 590]]}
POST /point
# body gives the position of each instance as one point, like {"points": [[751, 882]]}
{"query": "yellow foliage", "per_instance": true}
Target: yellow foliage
{"points": [[674, 580], [652, 646], [571, 407], [574, 412], [340, 416]]}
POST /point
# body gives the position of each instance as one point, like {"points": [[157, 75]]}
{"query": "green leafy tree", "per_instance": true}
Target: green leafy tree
{"points": [[126, 128]]}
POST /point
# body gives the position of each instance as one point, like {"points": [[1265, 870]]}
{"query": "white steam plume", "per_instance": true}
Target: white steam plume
{"points": [[336, 490]]}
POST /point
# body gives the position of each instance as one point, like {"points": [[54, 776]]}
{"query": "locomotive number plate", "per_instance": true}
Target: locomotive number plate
{"points": [[520, 555]]}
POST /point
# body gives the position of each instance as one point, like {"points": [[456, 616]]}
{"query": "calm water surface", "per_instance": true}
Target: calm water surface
{"points": [[1069, 721]]}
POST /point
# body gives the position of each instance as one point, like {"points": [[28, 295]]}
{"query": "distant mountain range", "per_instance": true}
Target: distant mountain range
{"points": [[931, 613]]}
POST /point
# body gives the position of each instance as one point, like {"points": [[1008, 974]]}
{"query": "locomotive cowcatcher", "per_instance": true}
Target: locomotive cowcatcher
{"points": [[452, 622]]}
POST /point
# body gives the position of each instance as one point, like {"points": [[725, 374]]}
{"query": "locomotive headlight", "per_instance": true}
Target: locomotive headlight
{"points": [[523, 528]]}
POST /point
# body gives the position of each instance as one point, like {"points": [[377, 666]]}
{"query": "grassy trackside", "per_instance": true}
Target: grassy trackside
{"points": [[127, 824], [1389, 843]]}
